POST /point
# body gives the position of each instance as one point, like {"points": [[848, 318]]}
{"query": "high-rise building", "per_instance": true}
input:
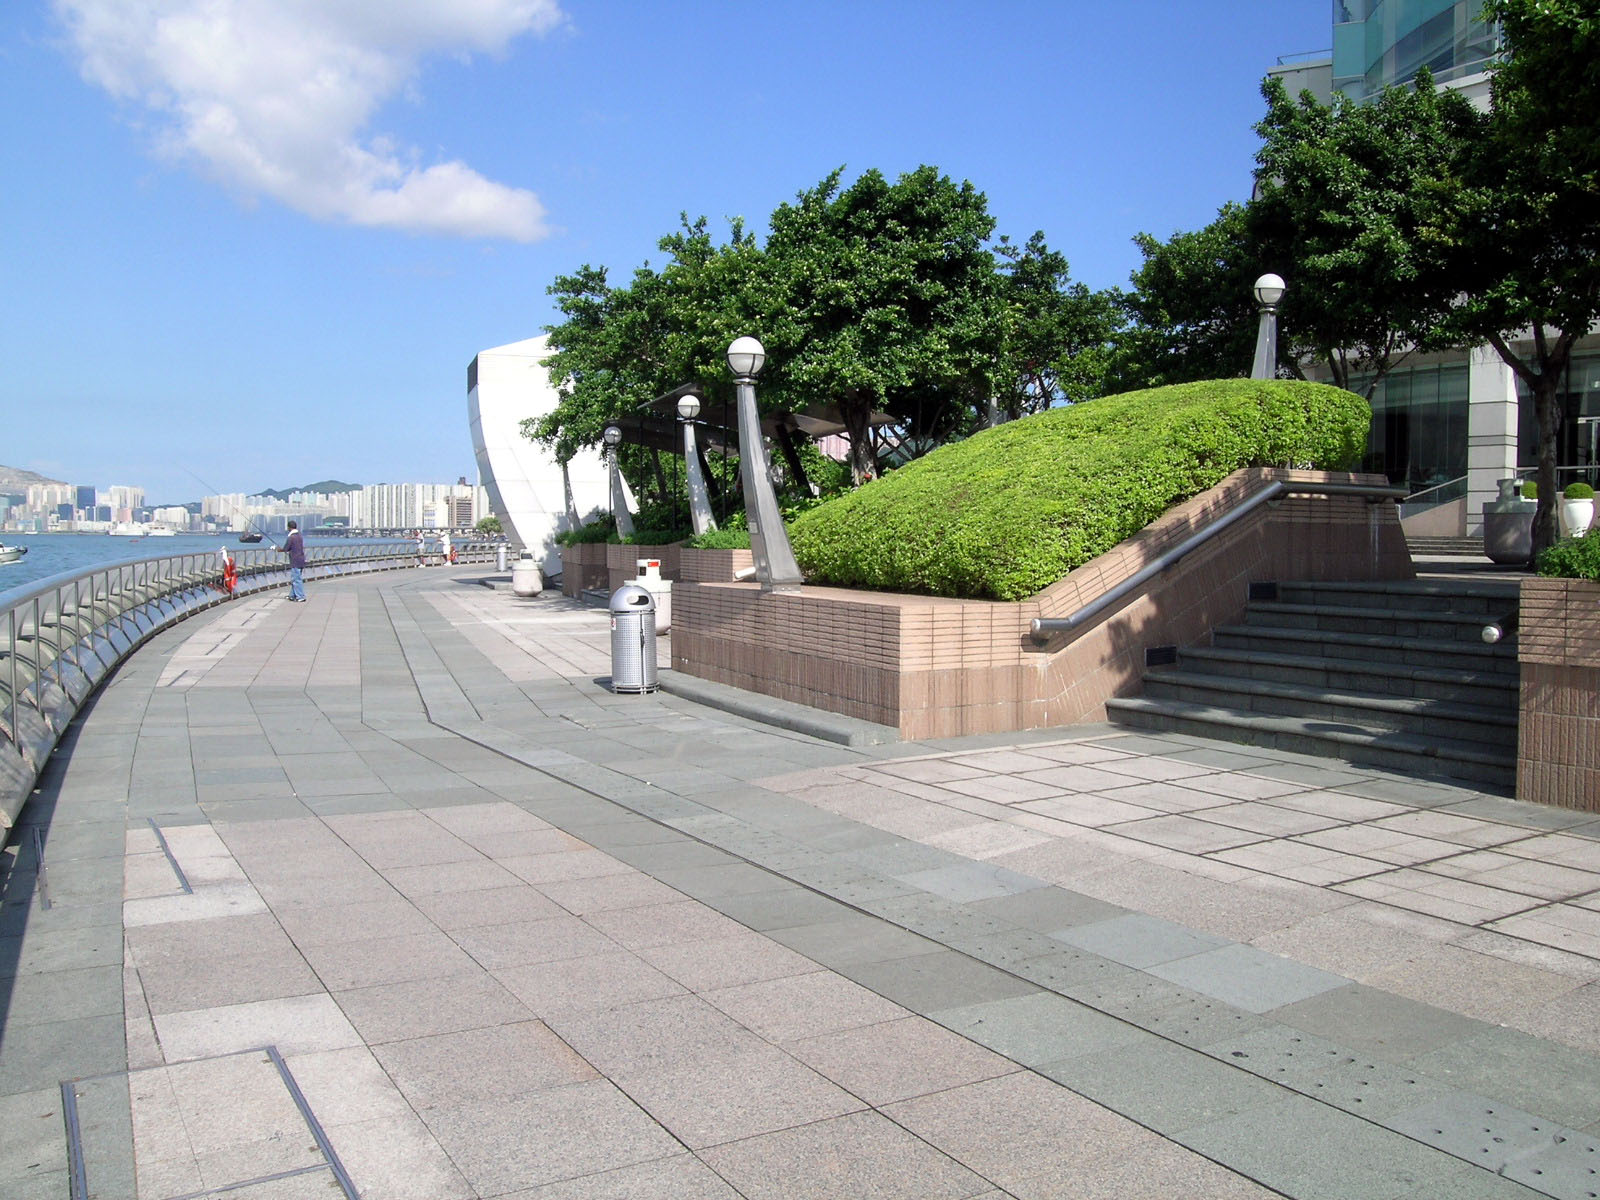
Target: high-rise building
{"points": [[1448, 425], [1378, 43]]}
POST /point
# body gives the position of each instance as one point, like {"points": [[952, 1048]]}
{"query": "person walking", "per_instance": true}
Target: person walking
{"points": [[296, 549]]}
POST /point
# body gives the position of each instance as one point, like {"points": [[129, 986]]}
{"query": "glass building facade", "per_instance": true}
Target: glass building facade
{"points": [[1377, 43], [1419, 426], [1577, 432]]}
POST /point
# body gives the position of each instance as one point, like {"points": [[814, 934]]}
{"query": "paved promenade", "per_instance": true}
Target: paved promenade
{"points": [[384, 895]]}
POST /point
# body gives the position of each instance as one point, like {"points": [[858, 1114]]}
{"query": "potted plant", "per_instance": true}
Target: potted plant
{"points": [[1577, 509]]}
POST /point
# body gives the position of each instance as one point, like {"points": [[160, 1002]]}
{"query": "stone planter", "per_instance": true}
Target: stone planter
{"points": [[1508, 526]]}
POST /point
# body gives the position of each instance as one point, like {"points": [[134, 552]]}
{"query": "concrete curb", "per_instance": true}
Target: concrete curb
{"points": [[784, 714]]}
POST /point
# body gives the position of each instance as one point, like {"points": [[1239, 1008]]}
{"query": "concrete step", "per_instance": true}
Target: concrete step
{"points": [[1424, 717], [1400, 652], [1492, 598], [1412, 624], [1460, 547], [1385, 748], [1496, 688]]}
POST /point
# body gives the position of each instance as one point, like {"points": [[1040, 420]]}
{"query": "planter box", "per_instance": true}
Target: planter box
{"points": [[622, 562], [583, 567], [713, 566], [934, 667], [1558, 735]]}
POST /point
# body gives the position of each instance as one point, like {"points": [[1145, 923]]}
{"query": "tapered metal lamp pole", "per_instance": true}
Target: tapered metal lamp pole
{"points": [[769, 540], [619, 498], [1268, 291], [699, 498]]}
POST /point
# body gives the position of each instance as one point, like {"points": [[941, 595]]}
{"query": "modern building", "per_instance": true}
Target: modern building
{"points": [[1451, 424], [534, 496]]}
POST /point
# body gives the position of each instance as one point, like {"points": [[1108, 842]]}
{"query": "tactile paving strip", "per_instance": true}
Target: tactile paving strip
{"points": [[1479, 1130]]}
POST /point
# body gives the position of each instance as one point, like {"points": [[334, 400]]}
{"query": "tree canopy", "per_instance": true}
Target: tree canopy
{"points": [[877, 296]]}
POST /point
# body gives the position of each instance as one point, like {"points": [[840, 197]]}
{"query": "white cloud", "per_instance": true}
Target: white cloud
{"points": [[272, 97]]}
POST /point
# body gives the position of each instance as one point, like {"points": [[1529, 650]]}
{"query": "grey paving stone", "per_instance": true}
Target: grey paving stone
{"points": [[1478, 1130], [1306, 1149], [1045, 909], [1541, 1076], [682, 1178], [783, 908], [1065, 969], [1165, 1008], [1162, 1086], [43, 996], [1386, 1026], [393, 1012], [481, 1065], [1248, 978], [942, 979], [859, 1154], [899, 1059], [971, 881], [1566, 1169], [1039, 1027], [52, 1051], [1137, 940]]}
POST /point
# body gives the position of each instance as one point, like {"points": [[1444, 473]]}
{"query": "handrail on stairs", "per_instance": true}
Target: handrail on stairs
{"points": [[1043, 628]]}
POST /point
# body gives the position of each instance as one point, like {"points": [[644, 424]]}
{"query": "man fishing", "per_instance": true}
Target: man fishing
{"points": [[295, 547]]}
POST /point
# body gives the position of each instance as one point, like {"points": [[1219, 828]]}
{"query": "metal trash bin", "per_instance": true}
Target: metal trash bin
{"points": [[633, 640], [500, 557], [525, 577]]}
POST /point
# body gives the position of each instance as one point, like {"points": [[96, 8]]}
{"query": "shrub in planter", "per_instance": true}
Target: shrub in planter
{"points": [[1530, 490], [1572, 558], [1578, 491], [602, 529], [720, 539], [1011, 510]]}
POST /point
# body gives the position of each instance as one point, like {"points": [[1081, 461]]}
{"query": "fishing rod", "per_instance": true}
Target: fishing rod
{"points": [[248, 519]]}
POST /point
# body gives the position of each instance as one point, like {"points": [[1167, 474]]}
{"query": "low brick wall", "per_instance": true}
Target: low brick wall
{"points": [[622, 562], [583, 567], [712, 566], [1558, 735], [935, 667]]}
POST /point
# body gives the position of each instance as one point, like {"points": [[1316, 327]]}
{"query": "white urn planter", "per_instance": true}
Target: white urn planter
{"points": [[1576, 516]]}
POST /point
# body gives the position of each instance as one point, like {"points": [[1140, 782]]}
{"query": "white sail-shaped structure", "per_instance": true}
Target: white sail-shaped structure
{"points": [[527, 487]]}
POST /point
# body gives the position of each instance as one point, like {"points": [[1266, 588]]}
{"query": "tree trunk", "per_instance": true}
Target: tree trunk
{"points": [[1547, 406], [857, 415]]}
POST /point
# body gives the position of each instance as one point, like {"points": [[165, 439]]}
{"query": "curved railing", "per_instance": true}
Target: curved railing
{"points": [[61, 637]]}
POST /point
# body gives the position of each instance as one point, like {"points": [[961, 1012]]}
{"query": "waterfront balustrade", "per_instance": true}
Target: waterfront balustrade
{"points": [[63, 636]]}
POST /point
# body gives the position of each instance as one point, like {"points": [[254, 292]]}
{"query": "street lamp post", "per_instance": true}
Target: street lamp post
{"points": [[699, 499], [769, 541], [1268, 291], [619, 498]]}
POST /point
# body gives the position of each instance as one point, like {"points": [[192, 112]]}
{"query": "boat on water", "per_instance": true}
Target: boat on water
{"points": [[250, 539], [159, 531], [10, 554]]}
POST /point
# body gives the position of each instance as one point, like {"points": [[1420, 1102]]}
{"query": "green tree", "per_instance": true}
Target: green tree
{"points": [[1190, 311], [1058, 334], [883, 296], [1356, 206], [1535, 230], [489, 525]]}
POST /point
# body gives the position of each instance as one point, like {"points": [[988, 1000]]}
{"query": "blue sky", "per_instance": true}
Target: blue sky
{"points": [[257, 242]]}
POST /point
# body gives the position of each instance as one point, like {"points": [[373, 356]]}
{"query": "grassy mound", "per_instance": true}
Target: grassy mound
{"points": [[1011, 510]]}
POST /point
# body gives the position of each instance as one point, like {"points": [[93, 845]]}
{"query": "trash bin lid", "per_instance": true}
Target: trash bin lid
{"points": [[631, 598]]}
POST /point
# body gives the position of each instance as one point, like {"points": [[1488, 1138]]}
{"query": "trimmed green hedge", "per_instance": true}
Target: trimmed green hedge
{"points": [[1008, 512]]}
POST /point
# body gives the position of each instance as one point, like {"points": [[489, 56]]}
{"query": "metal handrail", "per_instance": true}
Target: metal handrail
{"points": [[1042, 628], [63, 635], [1460, 482]]}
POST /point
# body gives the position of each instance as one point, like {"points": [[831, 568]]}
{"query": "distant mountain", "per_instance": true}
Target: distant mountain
{"points": [[327, 487], [15, 479]]}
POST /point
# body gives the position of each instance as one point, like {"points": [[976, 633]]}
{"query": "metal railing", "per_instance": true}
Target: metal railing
{"points": [[1042, 628], [1432, 497], [61, 637]]}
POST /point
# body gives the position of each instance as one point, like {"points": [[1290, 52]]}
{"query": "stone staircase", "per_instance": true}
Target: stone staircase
{"points": [[1392, 674], [1464, 547]]}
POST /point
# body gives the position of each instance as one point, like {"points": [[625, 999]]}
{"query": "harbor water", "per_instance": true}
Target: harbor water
{"points": [[54, 553]]}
